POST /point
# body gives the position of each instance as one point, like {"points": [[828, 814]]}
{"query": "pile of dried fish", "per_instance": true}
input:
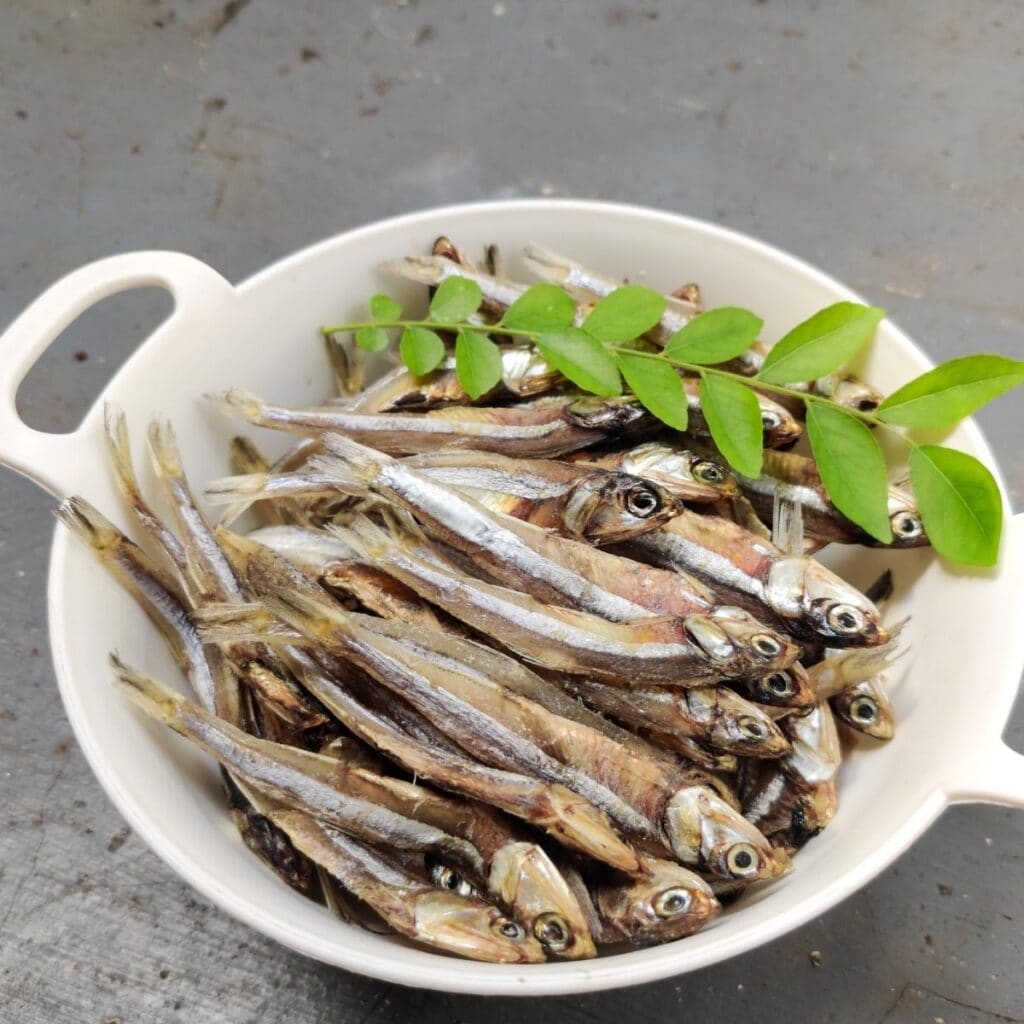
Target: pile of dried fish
{"points": [[512, 678]]}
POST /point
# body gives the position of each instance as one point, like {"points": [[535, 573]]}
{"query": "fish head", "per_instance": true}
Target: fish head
{"points": [[787, 688], [781, 428], [692, 475], [905, 520], [474, 929], [525, 372], [850, 392], [523, 878], [739, 644], [866, 707], [703, 829], [607, 507], [820, 605], [665, 902], [743, 728], [609, 415]]}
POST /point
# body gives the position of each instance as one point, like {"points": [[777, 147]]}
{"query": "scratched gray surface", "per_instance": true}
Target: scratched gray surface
{"points": [[883, 141]]}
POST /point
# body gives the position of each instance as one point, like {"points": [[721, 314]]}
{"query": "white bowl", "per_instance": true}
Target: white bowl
{"points": [[950, 706]]}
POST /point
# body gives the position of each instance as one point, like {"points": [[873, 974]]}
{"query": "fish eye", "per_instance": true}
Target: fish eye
{"points": [[752, 728], [642, 502], [864, 709], [445, 878], [780, 684], [766, 645], [770, 419], [905, 524], [708, 472], [844, 618], [741, 860], [509, 930], [672, 903], [552, 932]]}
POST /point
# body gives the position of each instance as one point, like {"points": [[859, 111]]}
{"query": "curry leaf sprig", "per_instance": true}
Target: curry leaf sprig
{"points": [[957, 496]]}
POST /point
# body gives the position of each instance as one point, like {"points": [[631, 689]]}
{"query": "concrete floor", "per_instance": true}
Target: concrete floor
{"points": [[882, 141]]}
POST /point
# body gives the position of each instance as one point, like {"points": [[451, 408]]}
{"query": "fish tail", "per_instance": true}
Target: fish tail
{"points": [[157, 699], [88, 523], [116, 430], [546, 264], [246, 457], [230, 489], [366, 538], [164, 451], [422, 269], [241, 403], [349, 460]]}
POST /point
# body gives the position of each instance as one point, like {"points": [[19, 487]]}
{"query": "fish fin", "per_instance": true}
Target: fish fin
{"points": [[246, 457], [88, 523], [788, 526], [422, 269]]}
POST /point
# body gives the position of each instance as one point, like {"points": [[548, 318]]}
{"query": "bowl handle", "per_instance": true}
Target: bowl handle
{"points": [[997, 777], [52, 460]]}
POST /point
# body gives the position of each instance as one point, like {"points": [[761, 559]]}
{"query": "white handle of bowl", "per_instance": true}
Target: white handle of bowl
{"points": [[997, 776], [997, 779], [51, 459]]}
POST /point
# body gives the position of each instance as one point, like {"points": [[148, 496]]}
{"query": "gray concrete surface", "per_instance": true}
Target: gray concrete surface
{"points": [[883, 141]]}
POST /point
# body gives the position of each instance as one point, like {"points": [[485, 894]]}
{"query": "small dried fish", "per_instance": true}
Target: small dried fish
{"points": [[588, 503], [694, 477], [420, 749], [543, 427], [518, 873], [561, 639], [525, 373], [781, 428], [796, 479], [812, 602], [318, 785], [412, 906], [666, 902], [712, 715]]}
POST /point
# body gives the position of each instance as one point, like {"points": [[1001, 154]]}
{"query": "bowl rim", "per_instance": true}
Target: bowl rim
{"points": [[438, 972]]}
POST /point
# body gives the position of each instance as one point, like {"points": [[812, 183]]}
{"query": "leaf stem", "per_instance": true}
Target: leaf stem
{"points": [[697, 369]]}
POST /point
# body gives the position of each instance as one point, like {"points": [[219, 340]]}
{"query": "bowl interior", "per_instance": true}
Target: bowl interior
{"points": [[266, 340]]}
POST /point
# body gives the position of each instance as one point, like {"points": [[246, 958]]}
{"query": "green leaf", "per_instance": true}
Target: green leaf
{"points": [[945, 395], [960, 504], [372, 339], [422, 350], [852, 468], [583, 359], [821, 344], [658, 386], [477, 363], [733, 415], [456, 298], [625, 313], [715, 336], [542, 307], [383, 307]]}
